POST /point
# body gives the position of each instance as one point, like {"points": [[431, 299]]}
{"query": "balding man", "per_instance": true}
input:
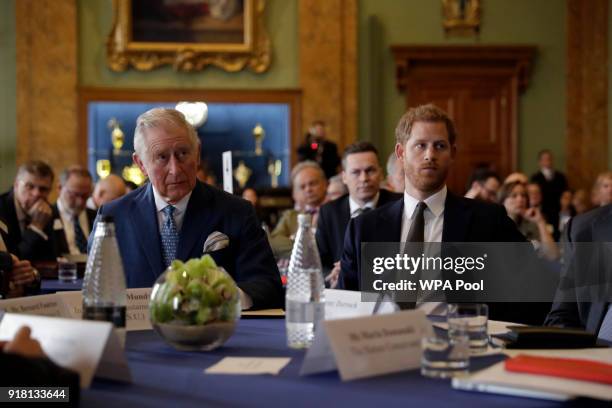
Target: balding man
{"points": [[174, 216], [108, 189], [308, 181]]}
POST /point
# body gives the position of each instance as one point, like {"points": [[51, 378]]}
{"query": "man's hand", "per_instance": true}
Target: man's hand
{"points": [[23, 344], [40, 213], [534, 215], [22, 272], [333, 276]]}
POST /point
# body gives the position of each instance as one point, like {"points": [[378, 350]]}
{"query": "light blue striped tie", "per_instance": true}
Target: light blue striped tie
{"points": [[605, 331], [169, 236]]}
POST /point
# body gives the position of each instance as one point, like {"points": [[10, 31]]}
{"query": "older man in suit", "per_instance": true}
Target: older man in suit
{"points": [[172, 216], [27, 214], [592, 312], [428, 212], [362, 174]]}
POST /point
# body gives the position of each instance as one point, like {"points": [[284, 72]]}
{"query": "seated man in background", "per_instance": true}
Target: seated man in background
{"points": [[483, 185], [362, 175], [107, 189], [73, 221], [27, 213], [593, 316], [308, 181], [174, 215]]}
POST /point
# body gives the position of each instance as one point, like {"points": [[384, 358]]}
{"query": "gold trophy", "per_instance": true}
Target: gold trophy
{"points": [[117, 136], [259, 134], [242, 174]]}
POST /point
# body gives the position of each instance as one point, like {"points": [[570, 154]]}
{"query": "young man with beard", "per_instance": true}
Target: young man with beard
{"points": [[428, 212]]}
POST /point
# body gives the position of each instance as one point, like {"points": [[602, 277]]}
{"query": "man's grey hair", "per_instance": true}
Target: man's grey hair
{"points": [[337, 179], [37, 168], [391, 162], [165, 118], [305, 165]]}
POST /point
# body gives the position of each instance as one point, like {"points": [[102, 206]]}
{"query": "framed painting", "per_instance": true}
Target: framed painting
{"points": [[189, 35]]}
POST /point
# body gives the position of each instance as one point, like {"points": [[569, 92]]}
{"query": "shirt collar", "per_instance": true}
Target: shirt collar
{"points": [[548, 173], [160, 204], [435, 203], [370, 204]]}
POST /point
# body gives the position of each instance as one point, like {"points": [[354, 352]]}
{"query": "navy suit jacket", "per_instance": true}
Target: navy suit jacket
{"points": [[333, 219], [29, 245], [59, 235], [593, 226], [248, 258], [465, 220]]}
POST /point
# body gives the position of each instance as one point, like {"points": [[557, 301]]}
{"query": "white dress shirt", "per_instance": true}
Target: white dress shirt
{"points": [[356, 209], [68, 225], [434, 215], [179, 215]]}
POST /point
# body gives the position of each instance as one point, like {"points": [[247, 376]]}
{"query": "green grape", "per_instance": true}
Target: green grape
{"points": [[208, 262], [194, 289], [202, 316]]}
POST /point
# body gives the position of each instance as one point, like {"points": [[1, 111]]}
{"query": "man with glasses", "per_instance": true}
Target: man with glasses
{"points": [[483, 185], [73, 221], [26, 213]]}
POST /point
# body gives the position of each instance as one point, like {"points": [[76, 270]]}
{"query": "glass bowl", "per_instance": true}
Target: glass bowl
{"points": [[195, 305]]}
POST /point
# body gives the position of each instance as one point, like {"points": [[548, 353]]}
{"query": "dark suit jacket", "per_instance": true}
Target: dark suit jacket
{"points": [[6, 265], [248, 258], [551, 195], [29, 245], [465, 220], [333, 219], [593, 226], [59, 235]]}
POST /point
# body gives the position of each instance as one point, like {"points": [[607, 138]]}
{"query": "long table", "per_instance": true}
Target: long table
{"points": [[163, 377]]}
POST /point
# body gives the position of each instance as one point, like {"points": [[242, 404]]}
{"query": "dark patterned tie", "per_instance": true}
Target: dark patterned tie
{"points": [[79, 237], [416, 235], [360, 211], [169, 236]]}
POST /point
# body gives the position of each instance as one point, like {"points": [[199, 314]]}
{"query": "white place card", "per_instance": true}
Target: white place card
{"points": [[228, 177], [320, 357], [343, 304], [376, 345], [249, 365], [43, 305], [87, 347]]}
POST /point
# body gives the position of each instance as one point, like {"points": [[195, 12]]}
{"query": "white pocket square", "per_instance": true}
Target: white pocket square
{"points": [[215, 241]]}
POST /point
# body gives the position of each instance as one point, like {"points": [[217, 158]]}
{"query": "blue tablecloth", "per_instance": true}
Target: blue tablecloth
{"points": [[55, 285], [164, 377]]}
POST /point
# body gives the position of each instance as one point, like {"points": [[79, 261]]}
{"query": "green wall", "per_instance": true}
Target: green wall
{"points": [[95, 21], [542, 23], [8, 100]]}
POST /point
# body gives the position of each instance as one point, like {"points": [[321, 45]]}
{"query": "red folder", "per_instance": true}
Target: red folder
{"points": [[572, 368]]}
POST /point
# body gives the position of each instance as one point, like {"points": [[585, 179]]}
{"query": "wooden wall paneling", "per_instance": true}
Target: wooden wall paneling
{"points": [[479, 87], [587, 91], [46, 48], [328, 66]]}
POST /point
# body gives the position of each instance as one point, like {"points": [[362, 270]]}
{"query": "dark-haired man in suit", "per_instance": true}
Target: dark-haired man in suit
{"points": [[426, 149], [174, 215], [362, 175]]}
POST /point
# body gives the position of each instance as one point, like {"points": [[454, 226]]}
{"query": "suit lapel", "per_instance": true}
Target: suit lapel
{"points": [[456, 220], [391, 223], [144, 221], [196, 222]]}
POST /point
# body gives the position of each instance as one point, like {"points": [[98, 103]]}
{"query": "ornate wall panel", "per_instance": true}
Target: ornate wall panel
{"points": [[46, 35], [328, 66], [587, 90]]}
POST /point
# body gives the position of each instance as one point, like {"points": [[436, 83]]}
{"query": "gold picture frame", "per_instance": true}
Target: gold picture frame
{"points": [[461, 16], [150, 33]]}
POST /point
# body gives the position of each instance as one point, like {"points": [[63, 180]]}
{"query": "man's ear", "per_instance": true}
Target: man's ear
{"points": [[139, 163], [343, 176], [399, 151]]}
